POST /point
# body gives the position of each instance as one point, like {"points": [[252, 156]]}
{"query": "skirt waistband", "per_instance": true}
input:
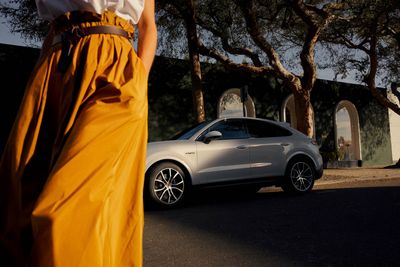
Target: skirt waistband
{"points": [[73, 35], [85, 19]]}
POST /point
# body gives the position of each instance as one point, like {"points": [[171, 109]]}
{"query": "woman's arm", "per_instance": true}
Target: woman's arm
{"points": [[147, 42]]}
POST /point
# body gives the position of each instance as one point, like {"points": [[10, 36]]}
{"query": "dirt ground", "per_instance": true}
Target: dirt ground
{"points": [[345, 174]]}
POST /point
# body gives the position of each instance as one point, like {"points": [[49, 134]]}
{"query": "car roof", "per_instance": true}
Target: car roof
{"points": [[281, 123]]}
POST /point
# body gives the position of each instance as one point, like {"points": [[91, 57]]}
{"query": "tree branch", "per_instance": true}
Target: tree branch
{"points": [[213, 53], [245, 51], [311, 38], [373, 57], [255, 33]]}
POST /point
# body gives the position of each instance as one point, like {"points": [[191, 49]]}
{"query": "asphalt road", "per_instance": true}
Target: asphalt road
{"points": [[345, 224]]}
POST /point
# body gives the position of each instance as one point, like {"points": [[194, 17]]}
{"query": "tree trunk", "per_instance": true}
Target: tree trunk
{"points": [[195, 67], [304, 113], [303, 108]]}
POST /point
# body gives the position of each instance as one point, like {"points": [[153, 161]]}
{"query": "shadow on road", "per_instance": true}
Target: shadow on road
{"points": [[340, 227]]}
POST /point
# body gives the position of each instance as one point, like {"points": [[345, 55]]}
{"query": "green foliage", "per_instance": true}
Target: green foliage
{"points": [[172, 31], [365, 27]]}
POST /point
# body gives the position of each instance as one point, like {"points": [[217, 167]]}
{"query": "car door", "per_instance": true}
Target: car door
{"points": [[225, 159], [268, 145]]}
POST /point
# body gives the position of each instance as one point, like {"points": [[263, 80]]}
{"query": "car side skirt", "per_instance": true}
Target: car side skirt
{"points": [[270, 181]]}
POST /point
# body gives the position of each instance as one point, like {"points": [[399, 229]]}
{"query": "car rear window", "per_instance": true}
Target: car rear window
{"points": [[263, 129]]}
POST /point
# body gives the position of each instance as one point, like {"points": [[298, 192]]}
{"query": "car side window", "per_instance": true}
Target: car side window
{"points": [[230, 129], [262, 129]]}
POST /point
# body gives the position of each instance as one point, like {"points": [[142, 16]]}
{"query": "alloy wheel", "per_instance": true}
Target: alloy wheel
{"points": [[301, 176], [169, 186]]}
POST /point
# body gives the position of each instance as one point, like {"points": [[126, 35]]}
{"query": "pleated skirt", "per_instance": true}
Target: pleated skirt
{"points": [[75, 157]]}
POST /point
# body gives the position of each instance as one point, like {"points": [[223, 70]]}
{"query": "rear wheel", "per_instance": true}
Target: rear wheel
{"points": [[300, 176], [167, 185]]}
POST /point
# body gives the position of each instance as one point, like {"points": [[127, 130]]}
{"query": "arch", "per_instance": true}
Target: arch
{"points": [[230, 105], [288, 113], [394, 124], [347, 131]]}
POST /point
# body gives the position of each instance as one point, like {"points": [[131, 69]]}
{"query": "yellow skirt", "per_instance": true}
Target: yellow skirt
{"points": [[81, 135]]}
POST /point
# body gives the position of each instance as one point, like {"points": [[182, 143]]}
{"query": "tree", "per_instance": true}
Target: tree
{"points": [[372, 29], [170, 14], [194, 56], [265, 32], [366, 39]]}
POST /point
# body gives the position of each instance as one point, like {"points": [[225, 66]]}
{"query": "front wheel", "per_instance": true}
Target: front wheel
{"points": [[166, 185], [299, 178]]}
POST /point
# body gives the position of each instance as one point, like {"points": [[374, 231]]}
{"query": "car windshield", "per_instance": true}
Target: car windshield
{"points": [[187, 133]]}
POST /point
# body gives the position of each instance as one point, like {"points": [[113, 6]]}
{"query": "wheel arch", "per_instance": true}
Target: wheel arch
{"points": [[298, 156], [183, 167]]}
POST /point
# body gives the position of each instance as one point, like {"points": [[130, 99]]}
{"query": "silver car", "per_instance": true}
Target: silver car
{"points": [[231, 151]]}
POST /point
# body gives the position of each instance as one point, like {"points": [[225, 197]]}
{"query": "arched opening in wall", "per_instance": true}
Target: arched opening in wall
{"points": [[394, 124], [347, 132], [288, 113], [230, 105]]}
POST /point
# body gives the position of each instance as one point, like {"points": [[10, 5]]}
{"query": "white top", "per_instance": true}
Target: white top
{"points": [[128, 9]]}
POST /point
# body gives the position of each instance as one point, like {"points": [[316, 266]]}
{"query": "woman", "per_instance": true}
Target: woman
{"points": [[80, 136]]}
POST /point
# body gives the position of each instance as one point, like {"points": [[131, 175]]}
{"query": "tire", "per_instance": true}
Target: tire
{"points": [[166, 185], [299, 177]]}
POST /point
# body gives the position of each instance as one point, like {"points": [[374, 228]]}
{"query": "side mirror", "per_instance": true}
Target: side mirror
{"points": [[213, 135]]}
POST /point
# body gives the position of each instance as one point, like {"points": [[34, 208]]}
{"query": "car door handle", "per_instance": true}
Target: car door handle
{"points": [[241, 147], [284, 144]]}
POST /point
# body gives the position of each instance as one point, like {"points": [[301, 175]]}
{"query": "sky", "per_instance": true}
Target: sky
{"points": [[6, 37]]}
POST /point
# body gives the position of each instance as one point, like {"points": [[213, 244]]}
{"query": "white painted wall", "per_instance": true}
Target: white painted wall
{"points": [[394, 121]]}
